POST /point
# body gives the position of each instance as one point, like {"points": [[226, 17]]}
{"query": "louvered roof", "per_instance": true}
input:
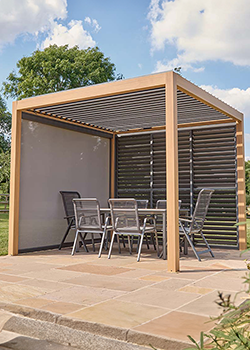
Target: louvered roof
{"points": [[134, 110]]}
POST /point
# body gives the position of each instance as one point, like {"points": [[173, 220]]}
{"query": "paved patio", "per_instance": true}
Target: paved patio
{"points": [[140, 297]]}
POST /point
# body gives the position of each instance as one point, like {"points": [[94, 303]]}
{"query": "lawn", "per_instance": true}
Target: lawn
{"points": [[4, 229]]}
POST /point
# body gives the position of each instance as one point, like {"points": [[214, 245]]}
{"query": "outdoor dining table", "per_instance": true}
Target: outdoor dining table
{"points": [[163, 212]]}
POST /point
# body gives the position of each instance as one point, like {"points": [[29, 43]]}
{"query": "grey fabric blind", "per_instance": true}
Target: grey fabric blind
{"points": [[207, 158]]}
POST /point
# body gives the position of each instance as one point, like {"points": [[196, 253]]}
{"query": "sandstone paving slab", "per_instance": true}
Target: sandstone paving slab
{"points": [[157, 265], [15, 292], [186, 274], [53, 275], [83, 295], [136, 273], [29, 267], [61, 307], [118, 313], [177, 325], [222, 281], [11, 278], [109, 282], [50, 286], [33, 302], [95, 269], [172, 284], [154, 278], [206, 304], [159, 297], [197, 290]]}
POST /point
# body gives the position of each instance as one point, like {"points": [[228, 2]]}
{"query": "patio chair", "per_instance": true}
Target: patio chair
{"points": [[194, 226], [88, 220], [125, 221], [162, 204], [67, 197]]}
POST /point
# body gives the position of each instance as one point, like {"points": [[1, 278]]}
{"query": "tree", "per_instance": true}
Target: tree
{"points": [[247, 179], [58, 68], [5, 172], [5, 127]]}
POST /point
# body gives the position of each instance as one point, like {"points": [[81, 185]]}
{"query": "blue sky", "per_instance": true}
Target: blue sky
{"points": [[209, 39]]}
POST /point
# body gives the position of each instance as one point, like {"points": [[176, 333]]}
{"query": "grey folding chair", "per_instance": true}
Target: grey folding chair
{"points": [[67, 197], [195, 224], [125, 221], [88, 220], [162, 204]]}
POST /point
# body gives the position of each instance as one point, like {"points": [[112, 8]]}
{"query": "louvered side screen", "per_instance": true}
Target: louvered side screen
{"points": [[141, 167], [214, 164], [133, 166], [207, 158]]}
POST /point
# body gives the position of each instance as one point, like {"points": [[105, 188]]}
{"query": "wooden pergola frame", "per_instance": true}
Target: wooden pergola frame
{"points": [[171, 81]]}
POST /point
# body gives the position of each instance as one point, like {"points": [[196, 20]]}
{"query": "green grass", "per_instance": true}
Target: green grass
{"points": [[248, 233], [4, 230]]}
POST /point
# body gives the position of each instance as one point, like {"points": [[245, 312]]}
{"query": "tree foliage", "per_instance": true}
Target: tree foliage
{"points": [[247, 179], [5, 172], [58, 68], [5, 127]]}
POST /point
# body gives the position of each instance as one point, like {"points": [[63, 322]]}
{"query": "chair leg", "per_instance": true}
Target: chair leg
{"points": [[119, 245], [102, 242], [153, 241], [146, 236], [129, 245], [157, 243], [66, 234], [111, 245], [206, 242], [75, 243], [123, 242], [140, 246], [93, 241], [83, 242]]}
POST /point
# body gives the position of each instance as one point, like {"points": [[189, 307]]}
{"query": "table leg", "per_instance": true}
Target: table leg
{"points": [[164, 233]]}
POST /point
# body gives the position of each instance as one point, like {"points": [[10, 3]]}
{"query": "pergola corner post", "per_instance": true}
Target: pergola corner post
{"points": [[172, 185], [14, 179], [112, 166], [242, 238]]}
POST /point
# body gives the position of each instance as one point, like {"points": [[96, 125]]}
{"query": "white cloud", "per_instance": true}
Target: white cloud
{"points": [[73, 34], [202, 30], [93, 23], [28, 17], [237, 98]]}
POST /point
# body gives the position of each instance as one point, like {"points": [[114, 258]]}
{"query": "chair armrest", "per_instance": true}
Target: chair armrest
{"points": [[187, 220], [69, 217]]}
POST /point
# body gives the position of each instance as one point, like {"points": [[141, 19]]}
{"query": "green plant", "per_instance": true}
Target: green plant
{"points": [[232, 330]]}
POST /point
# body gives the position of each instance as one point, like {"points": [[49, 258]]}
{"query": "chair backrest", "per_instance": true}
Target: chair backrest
{"points": [[162, 204], [124, 214], [67, 198], [87, 214], [142, 203], [201, 208]]}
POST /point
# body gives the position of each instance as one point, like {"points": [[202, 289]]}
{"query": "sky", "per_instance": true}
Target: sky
{"points": [[208, 39]]}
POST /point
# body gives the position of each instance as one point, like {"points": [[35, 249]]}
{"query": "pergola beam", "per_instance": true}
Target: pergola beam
{"points": [[94, 91]]}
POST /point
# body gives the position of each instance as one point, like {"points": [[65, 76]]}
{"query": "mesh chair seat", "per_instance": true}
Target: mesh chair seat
{"points": [[126, 221]]}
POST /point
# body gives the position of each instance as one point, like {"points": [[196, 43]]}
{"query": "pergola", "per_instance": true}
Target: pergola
{"points": [[160, 102]]}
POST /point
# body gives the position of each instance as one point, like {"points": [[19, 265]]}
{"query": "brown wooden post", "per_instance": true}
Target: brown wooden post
{"points": [[14, 180], [241, 184], [112, 167], [172, 173]]}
